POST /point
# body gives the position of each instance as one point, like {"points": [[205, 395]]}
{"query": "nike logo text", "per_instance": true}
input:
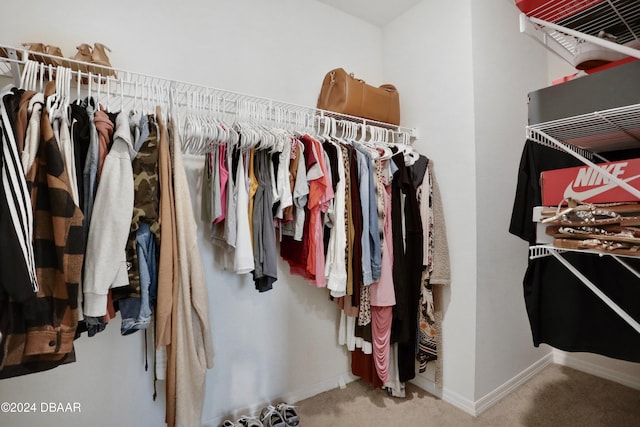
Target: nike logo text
{"points": [[569, 192]]}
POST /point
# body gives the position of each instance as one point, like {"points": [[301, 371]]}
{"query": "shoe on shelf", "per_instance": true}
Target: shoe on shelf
{"points": [[289, 414], [83, 55], [245, 421], [589, 55], [55, 51], [35, 49], [270, 417], [39, 50], [99, 57]]}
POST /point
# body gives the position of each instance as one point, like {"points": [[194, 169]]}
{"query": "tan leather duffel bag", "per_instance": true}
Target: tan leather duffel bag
{"points": [[343, 93]]}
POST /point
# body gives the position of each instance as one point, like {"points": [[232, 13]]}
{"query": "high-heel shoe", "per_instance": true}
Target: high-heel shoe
{"points": [[35, 49], [83, 55], [57, 52], [100, 58]]}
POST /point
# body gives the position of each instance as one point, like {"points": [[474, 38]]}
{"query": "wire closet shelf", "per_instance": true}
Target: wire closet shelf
{"points": [[563, 25], [128, 88], [586, 136]]}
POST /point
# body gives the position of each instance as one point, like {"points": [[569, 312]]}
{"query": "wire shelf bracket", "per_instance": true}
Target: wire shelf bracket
{"points": [[571, 28]]}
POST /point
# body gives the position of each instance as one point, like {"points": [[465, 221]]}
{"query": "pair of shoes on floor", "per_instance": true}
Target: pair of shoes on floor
{"points": [[281, 415], [96, 55], [289, 414], [243, 421]]}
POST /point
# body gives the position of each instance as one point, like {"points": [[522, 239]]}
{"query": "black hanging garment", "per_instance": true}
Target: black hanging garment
{"points": [[407, 266], [562, 311]]}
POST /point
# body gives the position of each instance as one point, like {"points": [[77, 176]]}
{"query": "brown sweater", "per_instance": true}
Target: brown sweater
{"points": [[168, 263], [43, 328]]}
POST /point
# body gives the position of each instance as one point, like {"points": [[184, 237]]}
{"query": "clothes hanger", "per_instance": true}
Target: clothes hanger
{"points": [[107, 104], [53, 101], [78, 86], [31, 75], [98, 91], [23, 76], [186, 130], [208, 131], [225, 135], [121, 95]]}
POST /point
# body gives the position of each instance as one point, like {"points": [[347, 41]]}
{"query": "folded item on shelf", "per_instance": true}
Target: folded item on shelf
{"points": [[600, 245], [613, 233], [583, 215], [591, 214]]}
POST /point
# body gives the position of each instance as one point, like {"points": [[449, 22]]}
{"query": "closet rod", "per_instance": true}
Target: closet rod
{"points": [[12, 59]]}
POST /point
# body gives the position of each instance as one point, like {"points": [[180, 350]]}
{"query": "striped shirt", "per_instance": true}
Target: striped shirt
{"points": [[16, 191]]}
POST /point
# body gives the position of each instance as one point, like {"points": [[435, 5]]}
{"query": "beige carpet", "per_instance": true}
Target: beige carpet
{"points": [[558, 396]]}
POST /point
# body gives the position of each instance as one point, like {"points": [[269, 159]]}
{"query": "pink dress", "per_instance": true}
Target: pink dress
{"points": [[383, 298]]}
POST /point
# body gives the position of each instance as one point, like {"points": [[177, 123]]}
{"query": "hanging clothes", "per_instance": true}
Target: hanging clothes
{"points": [[105, 261], [265, 271], [32, 135], [191, 351], [145, 205], [18, 283], [81, 139], [336, 267], [90, 169], [134, 299], [43, 328], [168, 267], [224, 177], [301, 255], [243, 256], [104, 128], [295, 227], [383, 296], [436, 268], [407, 266]]}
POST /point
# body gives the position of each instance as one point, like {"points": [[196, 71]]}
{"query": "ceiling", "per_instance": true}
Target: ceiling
{"points": [[377, 12]]}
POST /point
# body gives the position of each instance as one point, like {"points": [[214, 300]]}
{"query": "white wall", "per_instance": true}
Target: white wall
{"points": [[276, 345], [430, 60], [507, 66]]}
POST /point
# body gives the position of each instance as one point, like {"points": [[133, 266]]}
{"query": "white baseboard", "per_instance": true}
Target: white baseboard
{"points": [[427, 385], [448, 396], [490, 399], [567, 359], [499, 393], [459, 401]]}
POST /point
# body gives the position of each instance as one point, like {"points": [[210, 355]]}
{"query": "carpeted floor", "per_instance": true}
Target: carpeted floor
{"points": [[556, 397]]}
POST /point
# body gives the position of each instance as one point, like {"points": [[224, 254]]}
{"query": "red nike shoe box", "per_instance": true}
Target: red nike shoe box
{"points": [[590, 185]]}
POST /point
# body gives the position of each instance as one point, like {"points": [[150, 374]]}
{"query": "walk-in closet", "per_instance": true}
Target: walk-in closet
{"points": [[292, 262]]}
